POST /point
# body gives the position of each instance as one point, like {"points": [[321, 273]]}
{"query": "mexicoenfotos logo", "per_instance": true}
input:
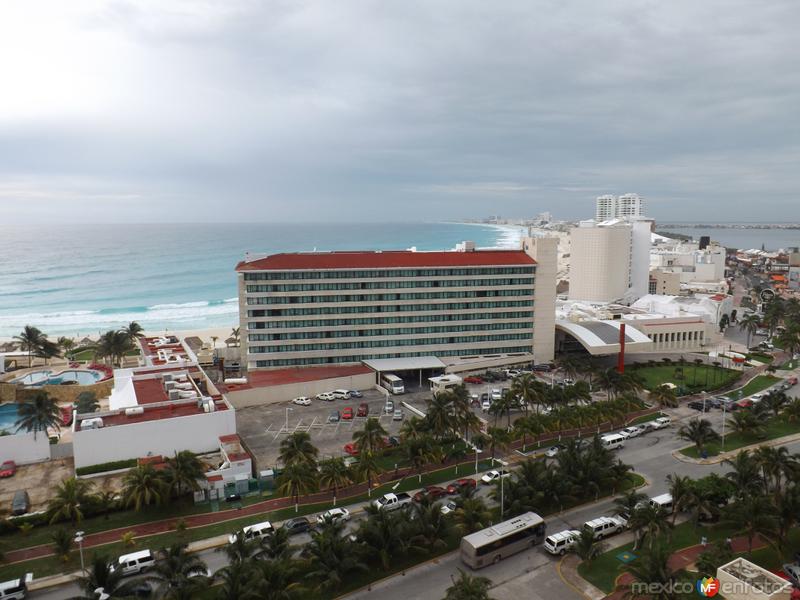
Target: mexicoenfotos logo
{"points": [[708, 586]]}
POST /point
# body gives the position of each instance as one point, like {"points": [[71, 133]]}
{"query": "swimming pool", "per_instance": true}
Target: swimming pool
{"points": [[80, 377], [33, 378], [9, 413]]}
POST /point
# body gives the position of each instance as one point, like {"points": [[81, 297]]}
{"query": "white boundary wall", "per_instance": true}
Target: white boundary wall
{"points": [[23, 449], [198, 433]]}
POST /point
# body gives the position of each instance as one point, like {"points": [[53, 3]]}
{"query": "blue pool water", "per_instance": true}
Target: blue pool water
{"points": [[33, 378], [80, 377], [9, 413]]}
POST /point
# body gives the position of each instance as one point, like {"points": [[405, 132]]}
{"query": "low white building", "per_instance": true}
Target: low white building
{"points": [[742, 580], [701, 269], [154, 410]]}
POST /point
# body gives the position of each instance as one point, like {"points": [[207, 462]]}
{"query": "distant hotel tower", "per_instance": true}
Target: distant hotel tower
{"points": [[612, 207]]}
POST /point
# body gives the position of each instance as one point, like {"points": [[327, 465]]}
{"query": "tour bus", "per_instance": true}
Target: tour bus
{"points": [[502, 540], [393, 383]]}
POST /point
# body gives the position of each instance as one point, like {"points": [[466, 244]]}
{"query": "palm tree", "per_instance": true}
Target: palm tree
{"points": [[497, 439], [297, 449], [276, 580], [754, 514], [714, 557], [775, 401], [746, 423], [238, 581], [235, 335], [179, 575], [38, 413], [368, 469], [106, 501], [649, 522], [682, 492], [62, 543], [134, 331], [418, 453], [792, 411], [113, 345], [297, 478], [67, 345], [239, 548], [652, 568], [68, 500], [413, 428], [745, 474], [664, 396], [472, 515], [332, 557], [749, 324], [468, 587], [629, 502], [47, 350], [183, 472], [334, 474], [431, 527], [530, 390], [586, 547], [698, 432], [86, 402], [101, 575], [383, 533], [370, 438], [532, 425], [142, 486], [440, 415], [30, 340], [276, 546], [776, 463]]}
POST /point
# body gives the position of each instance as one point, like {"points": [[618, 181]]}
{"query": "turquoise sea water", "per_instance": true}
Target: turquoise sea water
{"points": [[80, 280]]}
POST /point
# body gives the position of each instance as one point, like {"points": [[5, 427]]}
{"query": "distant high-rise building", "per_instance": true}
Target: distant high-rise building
{"points": [[612, 207]]}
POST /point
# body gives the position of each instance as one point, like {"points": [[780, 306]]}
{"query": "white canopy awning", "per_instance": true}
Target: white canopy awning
{"points": [[411, 363]]}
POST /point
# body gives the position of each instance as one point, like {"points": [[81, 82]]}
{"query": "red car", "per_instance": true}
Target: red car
{"points": [[347, 413], [432, 491], [351, 449], [456, 486], [473, 379], [363, 410], [7, 469]]}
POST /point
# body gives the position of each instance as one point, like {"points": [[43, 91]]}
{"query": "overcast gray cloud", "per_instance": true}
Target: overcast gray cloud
{"points": [[357, 110]]}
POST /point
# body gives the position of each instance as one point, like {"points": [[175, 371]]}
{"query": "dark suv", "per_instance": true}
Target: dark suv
{"points": [[698, 405], [297, 525]]}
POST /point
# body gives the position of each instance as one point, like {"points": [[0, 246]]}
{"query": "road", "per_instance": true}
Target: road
{"points": [[531, 574]]}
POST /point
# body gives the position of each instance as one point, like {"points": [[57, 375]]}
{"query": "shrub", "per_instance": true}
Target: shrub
{"points": [[109, 466]]}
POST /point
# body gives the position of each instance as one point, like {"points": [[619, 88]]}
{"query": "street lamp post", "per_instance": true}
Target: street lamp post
{"points": [[79, 541], [724, 407], [286, 425], [502, 495]]}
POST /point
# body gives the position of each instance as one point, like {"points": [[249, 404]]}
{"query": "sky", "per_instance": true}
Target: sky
{"points": [[264, 111]]}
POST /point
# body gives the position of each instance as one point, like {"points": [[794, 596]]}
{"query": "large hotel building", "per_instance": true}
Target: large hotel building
{"points": [[464, 306]]}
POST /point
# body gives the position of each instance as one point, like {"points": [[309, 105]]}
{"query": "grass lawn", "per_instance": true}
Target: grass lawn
{"points": [[761, 357], [755, 385], [646, 418], [88, 354], [775, 428], [604, 570], [695, 377]]}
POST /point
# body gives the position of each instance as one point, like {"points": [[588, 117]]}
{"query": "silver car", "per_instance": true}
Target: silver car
{"points": [[398, 415]]}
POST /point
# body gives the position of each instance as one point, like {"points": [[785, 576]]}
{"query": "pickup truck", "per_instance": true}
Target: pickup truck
{"points": [[392, 501]]}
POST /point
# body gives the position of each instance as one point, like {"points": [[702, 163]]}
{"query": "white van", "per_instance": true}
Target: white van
{"points": [[664, 502], [561, 542], [613, 441], [136, 562], [660, 423], [16, 589], [254, 532]]}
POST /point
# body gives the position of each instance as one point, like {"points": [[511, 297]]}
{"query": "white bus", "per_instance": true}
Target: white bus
{"points": [[392, 383], [502, 540]]}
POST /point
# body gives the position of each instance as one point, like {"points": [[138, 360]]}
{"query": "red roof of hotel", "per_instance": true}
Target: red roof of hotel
{"points": [[297, 375], [385, 260], [157, 414]]}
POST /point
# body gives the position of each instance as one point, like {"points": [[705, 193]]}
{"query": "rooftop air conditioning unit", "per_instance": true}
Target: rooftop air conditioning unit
{"points": [[134, 410], [95, 423], [169, 385], [174, 395], [167, 377]]}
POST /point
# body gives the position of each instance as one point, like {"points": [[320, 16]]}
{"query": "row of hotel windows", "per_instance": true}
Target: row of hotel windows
{"points": [[327, 360], [385, 297], [676, 336], [391, 343], [310, 335], [388, 308], [389, 285], [520, 314], [278, 275]]}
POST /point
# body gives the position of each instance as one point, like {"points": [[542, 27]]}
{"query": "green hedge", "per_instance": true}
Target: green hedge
{"points": [[109, 466]]}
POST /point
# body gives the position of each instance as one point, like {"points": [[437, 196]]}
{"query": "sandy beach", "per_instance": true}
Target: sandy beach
{"points": [[221, 333]]}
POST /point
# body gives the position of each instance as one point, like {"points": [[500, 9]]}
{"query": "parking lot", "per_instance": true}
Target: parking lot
{"points": [[264, 427]]}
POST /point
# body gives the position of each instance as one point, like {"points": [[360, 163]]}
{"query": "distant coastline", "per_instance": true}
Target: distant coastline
{"points": [[729, 225]]}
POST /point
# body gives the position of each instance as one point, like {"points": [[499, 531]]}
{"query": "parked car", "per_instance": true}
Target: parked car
{"points": [[494, 475], [341, 394], [302, 401], [792, 572], [560, 543], [334, 417], [133, 563], [744, 403], [351, 448], [347, 413], [234, 497], [632, 431], [326, 397], [604, 526], [791, 380], [449, 507], [544, 367], [253, 532], [389, 408], [486, 404], [457, 486], [432, 491], [473, 379], [496, 394], [297, 525], [334, 515], [363, 410], [8, 469], [392, 441], [16, 589], [661, 422], [355, 394], [21, 503], [392, 501], [757, 397], [552, 451], [716, 401], [398, 415]]}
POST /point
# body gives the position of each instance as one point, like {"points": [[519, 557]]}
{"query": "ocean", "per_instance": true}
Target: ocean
{"points": [[84, 279], [744, 239]]}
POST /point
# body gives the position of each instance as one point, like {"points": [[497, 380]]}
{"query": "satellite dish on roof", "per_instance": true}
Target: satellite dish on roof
{"points": [[767, 295]]}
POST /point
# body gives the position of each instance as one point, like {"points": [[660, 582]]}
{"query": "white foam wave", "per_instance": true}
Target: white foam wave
{"points": [[510, 236]]}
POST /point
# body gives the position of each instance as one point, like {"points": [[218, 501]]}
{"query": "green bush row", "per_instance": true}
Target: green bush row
{"points": [[109, 466]]}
